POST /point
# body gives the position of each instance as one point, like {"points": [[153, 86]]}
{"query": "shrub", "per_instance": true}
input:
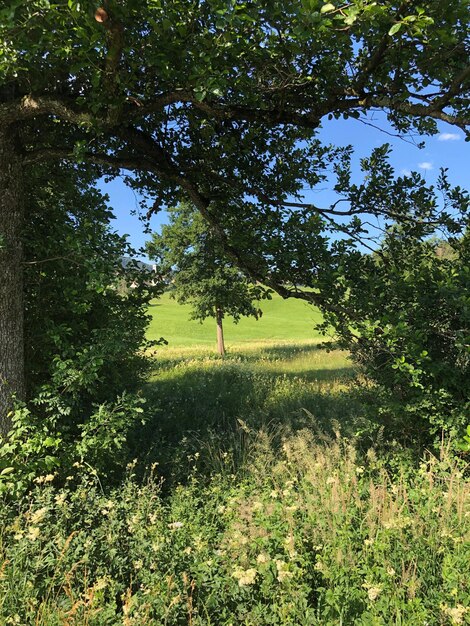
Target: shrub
{"points": [[311, 535], [85, 334], [408, 327]]}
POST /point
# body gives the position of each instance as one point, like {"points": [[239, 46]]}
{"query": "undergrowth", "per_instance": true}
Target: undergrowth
{"points": [[252, 504]]}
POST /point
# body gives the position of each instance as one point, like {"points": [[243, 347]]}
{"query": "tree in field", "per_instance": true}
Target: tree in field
{"points": [[219, 103], [201, 273]]}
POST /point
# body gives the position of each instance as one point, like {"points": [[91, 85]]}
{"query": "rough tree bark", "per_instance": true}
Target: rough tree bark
{"points": [[219, 316], [11, 275]]}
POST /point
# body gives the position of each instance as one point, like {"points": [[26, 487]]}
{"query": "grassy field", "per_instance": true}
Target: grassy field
{"points": [[249, 499], [282, 320]]}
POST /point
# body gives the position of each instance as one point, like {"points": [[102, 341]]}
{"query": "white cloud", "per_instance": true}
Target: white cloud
{"points": [[448, 137], [405, 172], [425, 165]]}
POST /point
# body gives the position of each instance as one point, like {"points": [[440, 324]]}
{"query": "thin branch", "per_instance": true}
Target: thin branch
{"points": [[54, 258]]}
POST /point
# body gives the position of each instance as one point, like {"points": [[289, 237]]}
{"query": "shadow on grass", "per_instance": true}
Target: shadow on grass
{"points": [[195, 409]]}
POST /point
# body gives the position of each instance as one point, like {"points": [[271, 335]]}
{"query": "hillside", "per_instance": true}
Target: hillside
{"points": [[282, 320]]}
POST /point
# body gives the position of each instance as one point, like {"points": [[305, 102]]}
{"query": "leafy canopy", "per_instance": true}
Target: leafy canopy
{"points": [[220, 102]]}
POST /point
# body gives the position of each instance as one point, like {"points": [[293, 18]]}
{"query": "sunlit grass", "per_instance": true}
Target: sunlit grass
{"points": [[282, 320]]}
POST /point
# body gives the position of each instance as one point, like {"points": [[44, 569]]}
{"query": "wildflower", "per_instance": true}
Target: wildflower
{"points": [[283, 575], [262, 558], [397, 523], [101, 583], [368, 542], [60, 498], [456, 613], [282, 571], [373, 592], [245, 577], [44, 479], [273, 494], [33, 533], [38, 515], [360, 469], [175, 525], [390, 571]]}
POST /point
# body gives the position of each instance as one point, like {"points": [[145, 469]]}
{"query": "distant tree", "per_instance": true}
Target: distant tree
{"points": [[202, 274]]}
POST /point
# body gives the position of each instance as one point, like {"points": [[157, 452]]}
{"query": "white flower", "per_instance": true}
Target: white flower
{"points": [[33, 533], [39, 515], [175, 525], [373, 591], [245, 577], [456, 613], [60, 498]]}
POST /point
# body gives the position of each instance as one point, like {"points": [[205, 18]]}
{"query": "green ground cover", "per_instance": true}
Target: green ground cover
{"points": [[282, 320], [248, 500]]}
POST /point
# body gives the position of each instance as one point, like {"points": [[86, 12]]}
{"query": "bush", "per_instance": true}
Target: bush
{"points": [[85, 331], [311, 535], [408, 326]]}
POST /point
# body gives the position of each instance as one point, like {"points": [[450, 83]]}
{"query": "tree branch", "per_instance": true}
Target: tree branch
{"points": [[30, 107]]}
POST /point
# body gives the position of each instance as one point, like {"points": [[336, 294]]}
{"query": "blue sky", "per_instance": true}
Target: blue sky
{"points": [[447, 149]]}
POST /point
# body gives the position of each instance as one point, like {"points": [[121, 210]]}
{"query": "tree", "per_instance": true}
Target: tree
{"points": [[219, 103], [76, 315], [202, 275]]}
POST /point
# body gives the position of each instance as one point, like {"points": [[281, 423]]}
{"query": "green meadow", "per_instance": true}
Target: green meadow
{"points": [[282, 320]]}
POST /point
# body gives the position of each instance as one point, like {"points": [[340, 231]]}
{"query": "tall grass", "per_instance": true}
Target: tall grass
{"points": [[307, 535]]}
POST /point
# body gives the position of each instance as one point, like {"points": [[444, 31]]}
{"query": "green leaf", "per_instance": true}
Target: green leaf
{"points": [[327, 8], [395, 28]]}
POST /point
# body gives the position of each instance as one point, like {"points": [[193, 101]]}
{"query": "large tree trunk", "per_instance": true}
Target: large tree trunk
{"points": [[219, 316], [11, 275]]}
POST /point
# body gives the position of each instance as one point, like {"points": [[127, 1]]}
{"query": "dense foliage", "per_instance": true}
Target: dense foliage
{"points": [[221, 104], [81, 314], [272, 548], [405, 319], [85, 328]]}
